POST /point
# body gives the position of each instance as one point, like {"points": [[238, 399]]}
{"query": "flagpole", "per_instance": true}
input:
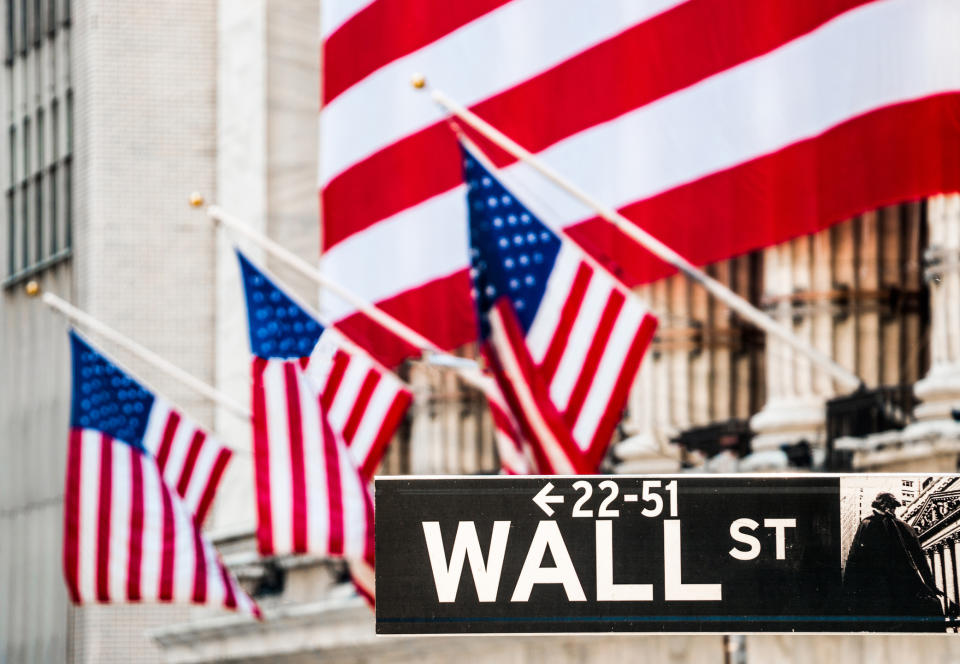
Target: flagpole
{"points": [[746, 310], [468, 370], [148, 356], [221, 216]]}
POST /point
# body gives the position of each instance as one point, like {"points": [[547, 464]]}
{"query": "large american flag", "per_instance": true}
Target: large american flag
{"points": [[311, 496], [363, 401], [716, 129], [563, 337], [140, 479]]}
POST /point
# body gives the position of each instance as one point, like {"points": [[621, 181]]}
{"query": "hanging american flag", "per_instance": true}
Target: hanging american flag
{"points": [[363, 401], [311, 497], [717, 131], [140, 478], [563, 337]]}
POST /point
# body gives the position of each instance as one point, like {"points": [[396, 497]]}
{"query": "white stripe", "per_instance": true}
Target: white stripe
{"points": [[178, 452], [322, 358], [363, 575], [551, 447], [334, 13], [492, 53], [373, 416], [432, 238], [346, 397], [354, 512], [152, 542], [890, 52], [315, 467], [216, 592], [605, 379], [89, 514], [184, 560], [209, 451], [156, 424], [559, 283], [581, 339], [120, 502], [278, 437]]}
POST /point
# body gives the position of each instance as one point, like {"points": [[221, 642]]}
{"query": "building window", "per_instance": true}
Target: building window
{"points": [[36, 209]]}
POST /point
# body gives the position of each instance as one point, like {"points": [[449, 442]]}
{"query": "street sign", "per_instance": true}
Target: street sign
{"points": [[681, 553]]}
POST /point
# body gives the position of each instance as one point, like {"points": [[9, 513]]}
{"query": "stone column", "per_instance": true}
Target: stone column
{"points": [[793, 411], [939, 390]]}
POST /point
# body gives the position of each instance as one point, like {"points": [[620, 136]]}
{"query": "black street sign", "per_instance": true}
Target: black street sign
{"points": [[775, 553]]}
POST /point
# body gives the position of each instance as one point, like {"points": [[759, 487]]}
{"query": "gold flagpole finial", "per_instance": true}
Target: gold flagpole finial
{"points": [[418, 80], [196, 199], [32, 288]]}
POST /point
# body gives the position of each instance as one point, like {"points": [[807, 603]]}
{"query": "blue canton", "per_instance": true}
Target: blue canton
{"points": [[511, 251], [105, 398], [279, 327]]}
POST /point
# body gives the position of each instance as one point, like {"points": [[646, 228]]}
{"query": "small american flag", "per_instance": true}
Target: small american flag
{"points": [[363, 401], [564, 338], [311, 497], [140, 479]]}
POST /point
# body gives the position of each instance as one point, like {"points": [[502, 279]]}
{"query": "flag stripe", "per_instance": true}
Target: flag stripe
{"points": [[72, 515], [168, 546], [538, 416], [332, 387], [261, 458], [359, 405], [121, 489], [136, 527], [196, 443], [297, 470], [353, 55], [334, 492], [385, 432], [355, 126], [103, 525], [200, 572], [216, 474], [153, 532], [597, 447], [591, 360], [352, 202], [568, 310], [169, 431]]}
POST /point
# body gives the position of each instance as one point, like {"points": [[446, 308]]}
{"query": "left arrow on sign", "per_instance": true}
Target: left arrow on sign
{"points": [[543, 498]]}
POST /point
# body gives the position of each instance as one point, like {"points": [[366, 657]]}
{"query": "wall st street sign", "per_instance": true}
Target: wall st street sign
{"points": [[683, 553]]}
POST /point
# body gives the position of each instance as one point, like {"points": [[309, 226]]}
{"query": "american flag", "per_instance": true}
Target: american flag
{"points": [[311, 497], [563, 337], [140, 478], [717, 130], [363, 401]]}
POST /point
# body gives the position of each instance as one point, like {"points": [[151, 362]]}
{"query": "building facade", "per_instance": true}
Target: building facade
{"points": [[115, 112]]}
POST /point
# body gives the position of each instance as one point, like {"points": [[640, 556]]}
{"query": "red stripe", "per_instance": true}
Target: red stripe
{"points": [[186, 472], [230, 598], [169, 431], [331, 457], [631, 365], [71, 514], [199, 567], [261, 459], [387, 30], [223, 457], [340, 361], [388, 427], [136, 526], [298, 472], [515, 345], [902, 152], [592, 87], [359, 408], [591, 361], [568, 315], [168, 546], [103, 514], [418, 308]]}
